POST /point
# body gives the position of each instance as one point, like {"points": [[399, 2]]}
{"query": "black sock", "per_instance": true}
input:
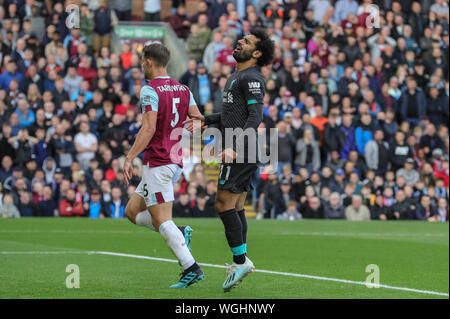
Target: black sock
{"points": [[241, 215], [233, 232], [194, 267]]}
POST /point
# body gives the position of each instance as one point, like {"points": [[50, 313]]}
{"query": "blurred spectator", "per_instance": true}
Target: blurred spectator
{"points": [[1, 196], [430, 140], [312, 208], [212, 50], [399, 151], [47, 205], [411, 176], [122, 8], [85, 145], [9, 74], [333, 140], [356, 211], [180, 22], [152, 10], [72, 81], [26, 116], [286, 142], [291, 213], [182, 208], [61, 146], [307, 152], [273, 198], [7, 149], [96, 206], [334, 209], [343, 8], [413, 103], [376, 152], [26, 207], [201, 86], [348, 136], [23, 144], [69, 206], [195, 43], [225, 55], [427, 175], [379, 210], [104, 20], [115, 207], [8, 208], [363, 133], [442, 209], [402, 209], [202, 209], [425, 210], [191, 72]]}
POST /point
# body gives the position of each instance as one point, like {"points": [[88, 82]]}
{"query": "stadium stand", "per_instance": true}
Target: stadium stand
{"points": [[358, 90]]}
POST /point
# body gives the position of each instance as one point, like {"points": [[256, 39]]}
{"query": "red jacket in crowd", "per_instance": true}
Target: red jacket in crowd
{"points": [[88, 74], [67, 208]]}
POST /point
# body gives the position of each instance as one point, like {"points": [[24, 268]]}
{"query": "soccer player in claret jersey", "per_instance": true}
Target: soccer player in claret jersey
{"points": [[242, 108], [165, 104]]}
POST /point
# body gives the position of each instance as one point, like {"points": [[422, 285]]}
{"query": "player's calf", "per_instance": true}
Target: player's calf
{"points": [[137, 213]]}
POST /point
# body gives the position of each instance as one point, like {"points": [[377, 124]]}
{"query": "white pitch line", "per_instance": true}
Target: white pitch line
{"points": [[42, 252], [108, 253], [361, 283], [362, 234], [307, 233]]}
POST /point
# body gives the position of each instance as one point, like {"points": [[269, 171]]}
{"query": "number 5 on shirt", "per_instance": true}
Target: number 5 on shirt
{"points": [[175, 101]]}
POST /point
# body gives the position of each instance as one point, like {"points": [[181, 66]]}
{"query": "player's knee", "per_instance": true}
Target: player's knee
{"points": [[239, 206], [221, 206]]}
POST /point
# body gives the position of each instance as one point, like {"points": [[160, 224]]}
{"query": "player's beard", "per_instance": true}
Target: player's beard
{"points": [[147, 73], [242, 56]]}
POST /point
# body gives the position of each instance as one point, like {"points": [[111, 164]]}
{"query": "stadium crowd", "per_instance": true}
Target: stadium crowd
{"points": [[361, 106]]}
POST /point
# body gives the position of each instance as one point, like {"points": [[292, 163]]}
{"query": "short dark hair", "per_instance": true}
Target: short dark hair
{"points": [[265, 45], [158, 53]]}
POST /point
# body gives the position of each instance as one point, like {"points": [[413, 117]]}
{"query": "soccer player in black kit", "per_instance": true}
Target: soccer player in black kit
{"points": [[242, 108]]}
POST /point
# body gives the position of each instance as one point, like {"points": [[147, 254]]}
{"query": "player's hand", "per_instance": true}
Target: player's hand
{"points": [[192, 122], [228, 155], [127, 171]]}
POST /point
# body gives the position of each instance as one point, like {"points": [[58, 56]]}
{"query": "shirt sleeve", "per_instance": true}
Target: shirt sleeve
{"points": [[191, 99], [149, 99], [253, 88]]}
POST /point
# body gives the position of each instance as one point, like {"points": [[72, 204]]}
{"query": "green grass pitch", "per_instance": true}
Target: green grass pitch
{"points": [[409, 255]]}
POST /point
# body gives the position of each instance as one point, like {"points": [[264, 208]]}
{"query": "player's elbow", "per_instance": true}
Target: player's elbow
{"points": [[148, 130]]}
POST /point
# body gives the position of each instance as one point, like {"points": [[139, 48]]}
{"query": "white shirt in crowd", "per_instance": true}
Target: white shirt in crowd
{"points": [[152, 6], [85, 141]]}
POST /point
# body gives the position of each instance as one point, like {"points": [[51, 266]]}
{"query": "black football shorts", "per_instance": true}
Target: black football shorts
{"points": [[236, 177]]}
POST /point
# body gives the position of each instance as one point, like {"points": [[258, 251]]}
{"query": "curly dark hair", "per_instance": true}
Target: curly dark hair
{"points": [[265, 45]]}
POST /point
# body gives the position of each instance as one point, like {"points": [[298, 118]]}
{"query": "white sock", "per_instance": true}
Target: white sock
{"points": [[176, 242], [145, 219]]}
